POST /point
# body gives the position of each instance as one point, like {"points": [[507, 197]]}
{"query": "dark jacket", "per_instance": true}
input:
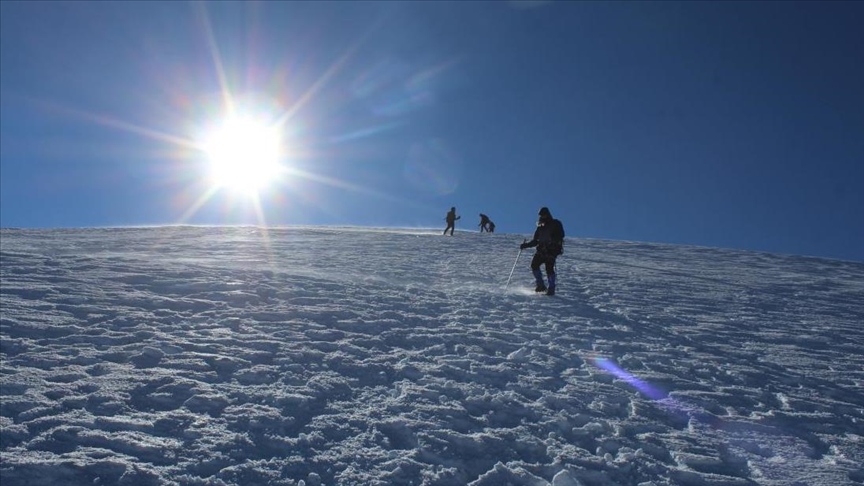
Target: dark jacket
{"points": [[548, 238], [451, 217]]}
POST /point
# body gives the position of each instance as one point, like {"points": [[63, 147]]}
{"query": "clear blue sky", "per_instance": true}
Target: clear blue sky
{"points": [[728, 124]]}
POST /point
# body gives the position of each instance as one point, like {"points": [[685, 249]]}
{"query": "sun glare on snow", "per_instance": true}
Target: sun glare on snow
{"points": [[243, 154]]}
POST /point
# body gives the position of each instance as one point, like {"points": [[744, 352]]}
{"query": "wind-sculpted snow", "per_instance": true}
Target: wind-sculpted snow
{"points": [[339, 356]]}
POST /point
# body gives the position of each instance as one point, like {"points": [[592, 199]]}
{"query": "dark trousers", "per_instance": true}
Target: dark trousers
{"points": [[451, 227], [543, 259]]}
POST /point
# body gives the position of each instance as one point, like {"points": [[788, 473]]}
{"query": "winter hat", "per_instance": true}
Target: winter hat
{"points": [[544, 211]]}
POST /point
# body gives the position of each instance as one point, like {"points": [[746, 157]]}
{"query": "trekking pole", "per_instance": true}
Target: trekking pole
{"points": [[514, 265]]}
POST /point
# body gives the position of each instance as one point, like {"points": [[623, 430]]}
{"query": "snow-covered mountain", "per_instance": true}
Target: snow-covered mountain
{"points": [[351, 356]]}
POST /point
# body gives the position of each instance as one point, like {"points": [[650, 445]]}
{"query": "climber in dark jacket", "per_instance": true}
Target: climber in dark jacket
{"points": [[485, 223], [549, 240], [451, 221]]}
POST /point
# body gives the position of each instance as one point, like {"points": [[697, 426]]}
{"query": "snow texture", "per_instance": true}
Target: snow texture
{"points": [[349, 356]]}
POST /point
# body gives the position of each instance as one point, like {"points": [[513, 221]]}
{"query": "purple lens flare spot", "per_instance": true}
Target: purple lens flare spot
{"points": [[618, 372]]}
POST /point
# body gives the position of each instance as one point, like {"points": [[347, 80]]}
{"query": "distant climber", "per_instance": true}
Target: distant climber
{"points": [[486, 224], [451, 220]]}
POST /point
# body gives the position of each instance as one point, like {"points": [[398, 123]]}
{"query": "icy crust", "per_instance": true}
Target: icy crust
{"points": [[238, 356]]}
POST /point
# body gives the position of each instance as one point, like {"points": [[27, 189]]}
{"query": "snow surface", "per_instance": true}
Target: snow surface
{"points": [[323, 356]]}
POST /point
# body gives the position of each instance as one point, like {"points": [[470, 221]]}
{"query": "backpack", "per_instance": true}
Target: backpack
{"points": [[560, 246]]}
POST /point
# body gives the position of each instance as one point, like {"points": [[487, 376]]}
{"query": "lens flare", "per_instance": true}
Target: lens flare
{"points": [[650, 391], [432, 167]]}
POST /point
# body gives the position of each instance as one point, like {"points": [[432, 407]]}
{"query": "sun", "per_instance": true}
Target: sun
{"points": [[243, 154]]}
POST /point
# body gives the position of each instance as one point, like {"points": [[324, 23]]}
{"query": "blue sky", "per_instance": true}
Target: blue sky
{"points": [[728, 124]]}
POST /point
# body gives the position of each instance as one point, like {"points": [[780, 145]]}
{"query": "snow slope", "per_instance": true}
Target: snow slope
{"points": [[235, 355]]}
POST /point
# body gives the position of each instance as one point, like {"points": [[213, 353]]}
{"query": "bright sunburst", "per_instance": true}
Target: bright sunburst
{"points": [[243, 154], [236, 146]]}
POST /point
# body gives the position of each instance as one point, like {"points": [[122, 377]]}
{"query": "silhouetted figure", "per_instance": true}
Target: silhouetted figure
{"points": [[451, 220], [486, 223], [549, 240]]}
